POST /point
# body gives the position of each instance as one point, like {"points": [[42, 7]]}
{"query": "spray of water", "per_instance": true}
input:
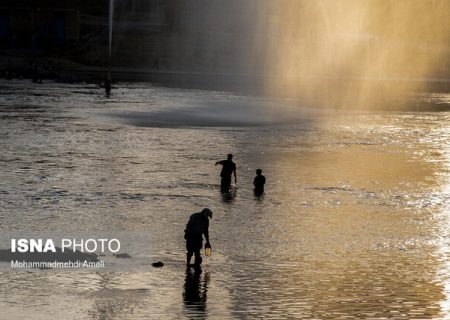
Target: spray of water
{"points": [[110, 25], [350, 53]]}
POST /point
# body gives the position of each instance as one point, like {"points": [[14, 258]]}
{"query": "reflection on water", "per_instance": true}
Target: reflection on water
{"points": [[195, 290], [229, 196], [353, 224]]}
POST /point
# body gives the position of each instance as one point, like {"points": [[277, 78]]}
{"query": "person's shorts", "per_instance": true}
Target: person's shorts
{"points": [[194, 242]]}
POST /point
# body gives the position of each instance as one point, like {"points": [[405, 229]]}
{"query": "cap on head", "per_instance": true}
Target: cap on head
{"points": [[207, 212]]}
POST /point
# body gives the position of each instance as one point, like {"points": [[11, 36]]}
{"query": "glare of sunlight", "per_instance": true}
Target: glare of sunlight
{"points": [[445, 229]]}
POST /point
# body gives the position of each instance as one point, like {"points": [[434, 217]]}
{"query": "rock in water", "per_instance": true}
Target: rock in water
{"points": [[158, 264]]}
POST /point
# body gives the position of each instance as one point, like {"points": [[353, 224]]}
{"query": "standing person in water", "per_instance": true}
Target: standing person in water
{"points": [[228, 168], [108, 86], [259, 183], [196, 227]]}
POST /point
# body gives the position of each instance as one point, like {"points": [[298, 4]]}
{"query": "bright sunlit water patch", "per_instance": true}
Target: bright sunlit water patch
{"points": [[444, 250]]}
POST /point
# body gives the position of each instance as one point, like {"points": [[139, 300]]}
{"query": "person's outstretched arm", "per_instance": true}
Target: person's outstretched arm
{"points": [[219, 162]]}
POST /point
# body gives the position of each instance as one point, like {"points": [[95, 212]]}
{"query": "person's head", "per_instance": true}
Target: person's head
{"points": [[207, 212], [230, 156], [258, 172]]}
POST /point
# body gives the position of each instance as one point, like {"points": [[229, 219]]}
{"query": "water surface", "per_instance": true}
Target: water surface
{"points": [[354, 223]]}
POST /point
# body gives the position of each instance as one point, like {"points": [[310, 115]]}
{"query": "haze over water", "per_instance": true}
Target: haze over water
{"points": [[327, 54], [354, 223], [356, 54]]}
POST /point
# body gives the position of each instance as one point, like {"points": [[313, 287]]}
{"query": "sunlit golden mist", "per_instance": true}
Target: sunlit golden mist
{"points": [[351, 53]]}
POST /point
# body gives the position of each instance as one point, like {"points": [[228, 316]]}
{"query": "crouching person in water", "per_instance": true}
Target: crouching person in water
{"points": [[196, 227]]}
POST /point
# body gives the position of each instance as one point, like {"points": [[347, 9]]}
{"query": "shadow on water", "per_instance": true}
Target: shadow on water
{"points": [[195, 291], [216, 113]]}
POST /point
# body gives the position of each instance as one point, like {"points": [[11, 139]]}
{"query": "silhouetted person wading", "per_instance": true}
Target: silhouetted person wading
{"points": [[259, 183], [196, 227], [108, 87], [228, 168]]}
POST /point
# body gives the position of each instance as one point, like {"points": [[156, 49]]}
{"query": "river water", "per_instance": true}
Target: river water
{"points": [[354, 223]]}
